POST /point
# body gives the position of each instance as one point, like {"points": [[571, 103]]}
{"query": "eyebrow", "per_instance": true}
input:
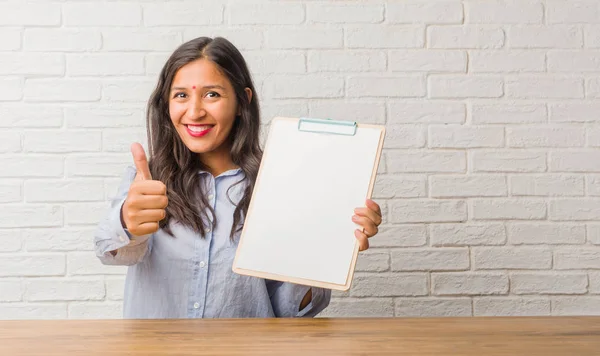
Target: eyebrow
{"points": [[214, 86]]}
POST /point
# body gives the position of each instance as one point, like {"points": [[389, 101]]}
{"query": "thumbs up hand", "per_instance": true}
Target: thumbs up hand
{"points": [[146, 200]]}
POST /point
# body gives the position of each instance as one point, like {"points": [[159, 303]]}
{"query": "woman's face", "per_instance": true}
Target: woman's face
{"points": [[203, 107]]}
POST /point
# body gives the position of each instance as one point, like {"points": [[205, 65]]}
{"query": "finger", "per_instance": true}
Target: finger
{"points": [[367, 224], [141, 163], [146, 228], [374, 206], [150, 187], [369, 213], [142, 202], [363, 240], [151, 215]]}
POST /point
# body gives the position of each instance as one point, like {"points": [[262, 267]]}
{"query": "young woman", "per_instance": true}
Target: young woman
{"points": [[176, 220]]}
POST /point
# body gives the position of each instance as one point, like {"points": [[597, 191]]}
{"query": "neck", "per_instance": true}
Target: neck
{"points": [[217, 162]]}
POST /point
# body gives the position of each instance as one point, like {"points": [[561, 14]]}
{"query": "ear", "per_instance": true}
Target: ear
{"points": [[249, 95]]}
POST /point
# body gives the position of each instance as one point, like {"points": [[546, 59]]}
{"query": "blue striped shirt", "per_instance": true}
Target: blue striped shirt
{"points": [[191, 277]]}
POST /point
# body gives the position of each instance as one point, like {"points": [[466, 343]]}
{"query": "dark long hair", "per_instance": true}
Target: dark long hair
{"points": [[174, 164]]}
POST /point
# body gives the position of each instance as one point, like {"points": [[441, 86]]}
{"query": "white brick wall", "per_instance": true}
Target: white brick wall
{"points": [[489, 181]]}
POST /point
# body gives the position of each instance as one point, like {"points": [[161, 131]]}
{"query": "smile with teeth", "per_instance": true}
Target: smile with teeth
{"points": [[198, 130]]}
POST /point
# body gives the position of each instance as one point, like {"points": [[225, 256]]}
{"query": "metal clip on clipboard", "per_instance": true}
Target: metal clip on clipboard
{"points": [[329, 126]]}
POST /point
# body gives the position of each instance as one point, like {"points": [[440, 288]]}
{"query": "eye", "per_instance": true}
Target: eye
{"points": [[180, 95], [213, 94]]}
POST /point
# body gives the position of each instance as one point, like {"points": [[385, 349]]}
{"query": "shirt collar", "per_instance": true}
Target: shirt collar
{"points": [[231, 172]]}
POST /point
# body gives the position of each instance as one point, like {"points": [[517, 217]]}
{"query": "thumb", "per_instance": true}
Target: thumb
{"points": [[141, 163]]}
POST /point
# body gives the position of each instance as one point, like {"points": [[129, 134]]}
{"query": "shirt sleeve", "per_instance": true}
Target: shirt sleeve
{"points": [[110, 234], [287, 297]]}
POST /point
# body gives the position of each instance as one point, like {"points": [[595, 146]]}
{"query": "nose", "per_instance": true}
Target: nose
{"points": [[195, 109]]}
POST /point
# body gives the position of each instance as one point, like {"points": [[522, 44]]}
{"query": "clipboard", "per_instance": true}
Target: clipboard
{"points": [[313, 174]]}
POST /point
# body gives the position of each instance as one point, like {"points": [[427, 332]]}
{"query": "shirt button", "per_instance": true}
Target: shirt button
{"points": [[208, 229], [202, 264], [122, 238], [210, 197], [196, 305]]}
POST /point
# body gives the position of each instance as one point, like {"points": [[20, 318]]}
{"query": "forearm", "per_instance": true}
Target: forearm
{"points": [[112, 243], [126, 255]]}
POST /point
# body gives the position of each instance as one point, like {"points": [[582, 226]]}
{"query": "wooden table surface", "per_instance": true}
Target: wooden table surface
{"points": [[354, 336]]}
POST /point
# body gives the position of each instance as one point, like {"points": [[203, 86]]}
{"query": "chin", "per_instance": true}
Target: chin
{"points": [[198, 148]]}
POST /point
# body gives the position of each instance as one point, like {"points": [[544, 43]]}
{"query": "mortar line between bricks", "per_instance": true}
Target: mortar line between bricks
{"points": [[544, 12], [305, 13], [430, 284], [472, 299]]}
